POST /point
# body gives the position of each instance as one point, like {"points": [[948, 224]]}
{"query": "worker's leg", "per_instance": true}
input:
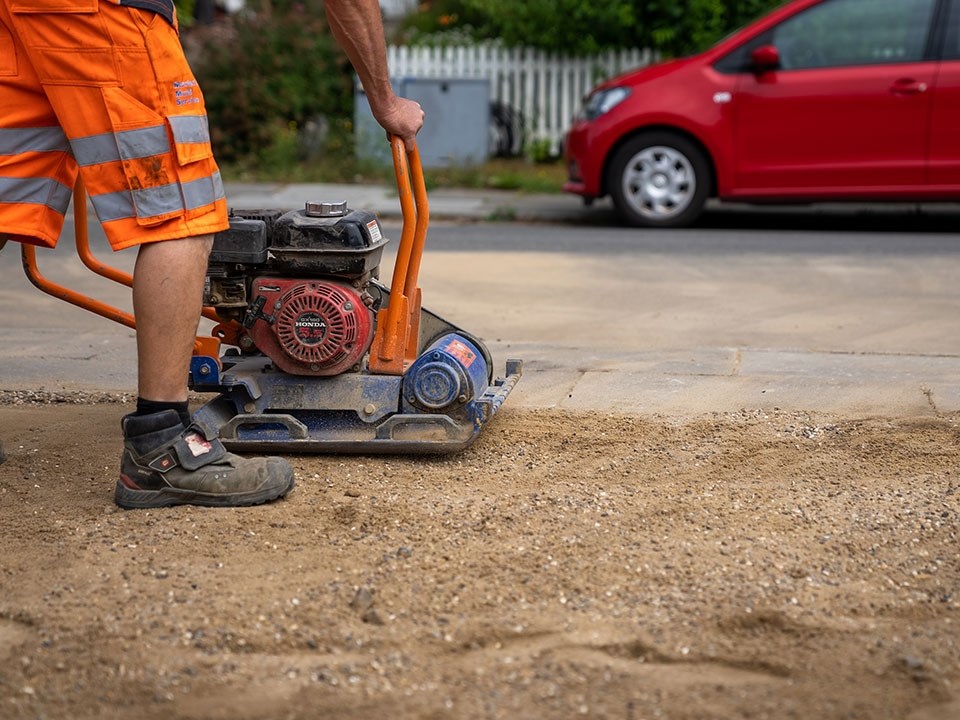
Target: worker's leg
{"points": [[133, 120], [166, 459], [167, 300]]}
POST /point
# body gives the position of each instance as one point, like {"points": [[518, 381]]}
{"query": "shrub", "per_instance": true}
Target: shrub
{"points": [[265, 74]]}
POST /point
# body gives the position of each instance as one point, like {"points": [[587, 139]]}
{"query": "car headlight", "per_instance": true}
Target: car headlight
{"points": [[603, 101]]}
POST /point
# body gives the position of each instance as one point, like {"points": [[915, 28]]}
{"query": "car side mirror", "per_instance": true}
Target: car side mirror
{"points": [[765, 58]]}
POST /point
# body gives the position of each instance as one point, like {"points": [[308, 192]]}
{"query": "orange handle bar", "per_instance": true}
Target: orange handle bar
{"points": [[29, 257], [202, 345], [396, 342], [87, 256]]}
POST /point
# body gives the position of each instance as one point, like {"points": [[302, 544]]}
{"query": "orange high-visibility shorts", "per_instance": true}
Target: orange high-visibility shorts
{"points": [[105, 88]]}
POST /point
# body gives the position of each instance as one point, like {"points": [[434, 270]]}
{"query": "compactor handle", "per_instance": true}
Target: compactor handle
{"points": [[202, 345], [29, 259], [397, 338]]}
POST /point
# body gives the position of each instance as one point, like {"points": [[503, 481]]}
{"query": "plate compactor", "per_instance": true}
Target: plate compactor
{"points": [[321, 356]]}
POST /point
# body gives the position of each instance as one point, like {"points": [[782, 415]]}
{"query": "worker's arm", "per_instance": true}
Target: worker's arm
{"points": [[358, 27]]}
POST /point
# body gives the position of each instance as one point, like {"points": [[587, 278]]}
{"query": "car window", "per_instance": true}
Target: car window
{"points": [[839, 33], [738, 60], [951, 48]]}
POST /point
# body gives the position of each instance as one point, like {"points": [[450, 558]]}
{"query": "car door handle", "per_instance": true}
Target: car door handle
{"points": [[908, 86]]}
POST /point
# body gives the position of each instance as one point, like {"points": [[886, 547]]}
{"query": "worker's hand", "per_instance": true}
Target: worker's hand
{"points": [[403, 118]]}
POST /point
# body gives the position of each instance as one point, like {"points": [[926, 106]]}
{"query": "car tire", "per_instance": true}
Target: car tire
{"points": [[660, 180]]}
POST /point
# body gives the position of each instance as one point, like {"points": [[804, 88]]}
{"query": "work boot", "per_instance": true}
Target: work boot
{"points": [[166, 464]]}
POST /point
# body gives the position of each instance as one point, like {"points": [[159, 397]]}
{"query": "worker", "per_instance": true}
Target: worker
{"points": [[103, 89]]}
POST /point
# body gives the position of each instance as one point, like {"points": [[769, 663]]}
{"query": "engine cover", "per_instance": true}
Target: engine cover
{"points": [[310, 327]]}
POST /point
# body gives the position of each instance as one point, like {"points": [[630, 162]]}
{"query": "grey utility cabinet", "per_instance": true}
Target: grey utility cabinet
{"points": [[456, 130]]}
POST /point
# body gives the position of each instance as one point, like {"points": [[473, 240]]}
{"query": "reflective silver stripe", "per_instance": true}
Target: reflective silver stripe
{"points": [[190, 128], [113, 206], [147, 203], [156, 201], [95, 149], [218, 190], [36, 191], [159, 200], [14, 141], [144, 142], [124, 145], [204, 191]]}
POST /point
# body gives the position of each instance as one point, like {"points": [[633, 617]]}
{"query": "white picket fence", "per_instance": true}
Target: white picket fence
{"points": [[545, 88]]}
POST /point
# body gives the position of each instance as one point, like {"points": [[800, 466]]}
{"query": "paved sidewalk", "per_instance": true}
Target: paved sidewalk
{"points": [[476, 205]]}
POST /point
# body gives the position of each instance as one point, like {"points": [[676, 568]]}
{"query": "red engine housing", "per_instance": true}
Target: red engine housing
{"points": [[311, 327]]}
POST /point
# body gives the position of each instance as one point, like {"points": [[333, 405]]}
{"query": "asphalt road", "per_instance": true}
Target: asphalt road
{"points": [[852, 312]]}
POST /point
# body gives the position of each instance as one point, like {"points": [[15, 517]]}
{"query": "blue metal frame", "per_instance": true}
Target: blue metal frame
{"points": [[259, 408]]}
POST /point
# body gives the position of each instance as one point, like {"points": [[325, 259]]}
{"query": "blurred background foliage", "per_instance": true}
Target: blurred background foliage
{"points": [[279, 90], [271, 76], [581, 27]]}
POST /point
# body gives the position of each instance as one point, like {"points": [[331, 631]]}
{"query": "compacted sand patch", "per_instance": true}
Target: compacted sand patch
{"points": [[747, 565]]}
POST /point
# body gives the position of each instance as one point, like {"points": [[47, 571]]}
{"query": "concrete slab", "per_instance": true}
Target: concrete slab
{"points": [[731, 379]]}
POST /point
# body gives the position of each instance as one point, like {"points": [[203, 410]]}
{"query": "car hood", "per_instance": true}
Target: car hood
{"points": [[648, 73]]}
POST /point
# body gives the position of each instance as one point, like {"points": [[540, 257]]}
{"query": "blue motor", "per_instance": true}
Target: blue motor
{"points": [[449, 374]]}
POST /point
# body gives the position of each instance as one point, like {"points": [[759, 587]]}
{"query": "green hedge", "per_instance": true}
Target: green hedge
{"points": [[265, 75], [673, 27]]}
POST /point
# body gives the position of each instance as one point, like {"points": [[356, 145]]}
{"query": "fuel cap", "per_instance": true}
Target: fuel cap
{"points": [[326, 209]]}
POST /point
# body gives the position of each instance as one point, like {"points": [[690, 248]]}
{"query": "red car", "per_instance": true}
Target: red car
{"points": [[821, 100]]}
